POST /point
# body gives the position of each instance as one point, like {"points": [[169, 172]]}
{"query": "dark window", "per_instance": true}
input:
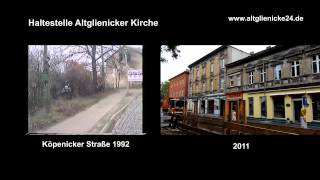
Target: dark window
{"points": [[316, 64], [295, 69], [263, 102], [277, 72], [211, 68], [250, 106], [203, 70], [210, 106], [278, 102]]}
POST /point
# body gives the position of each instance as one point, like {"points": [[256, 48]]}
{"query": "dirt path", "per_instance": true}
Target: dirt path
{"points": [[84, 121]]}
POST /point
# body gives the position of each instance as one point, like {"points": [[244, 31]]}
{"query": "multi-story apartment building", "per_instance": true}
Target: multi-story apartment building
{"points": [[178, 86], [206, 80], [274, 84]]}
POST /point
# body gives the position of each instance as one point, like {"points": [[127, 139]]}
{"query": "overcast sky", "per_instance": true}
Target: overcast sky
{"points": [[191, 53]]}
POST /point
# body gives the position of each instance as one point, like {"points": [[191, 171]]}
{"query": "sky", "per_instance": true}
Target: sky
{"points": [[191, 53]]}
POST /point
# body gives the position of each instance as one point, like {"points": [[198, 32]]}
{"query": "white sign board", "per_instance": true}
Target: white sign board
{"points": [[134, 75]]}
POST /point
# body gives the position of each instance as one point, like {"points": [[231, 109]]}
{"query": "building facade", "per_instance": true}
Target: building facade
{"points": [[178, 86], [276, 83], [207, 80]]}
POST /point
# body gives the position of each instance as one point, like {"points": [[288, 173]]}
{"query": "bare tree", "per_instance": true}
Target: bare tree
{"points": [[92, 52], [103, 74], [45, 77], [116, 62]]}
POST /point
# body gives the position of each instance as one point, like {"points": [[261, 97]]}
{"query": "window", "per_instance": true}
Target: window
{"points": [[211, 84], [250, 99], [203, 86], [277, 72], [222, 63], [231, 81], [295, 69], [210, 106], [238, 80], [216, 107], [211, 68], [197, 88], [235, 80], [263, 74], [203, 70], [197, 72], [251, 77], [278, 109], [316, 64], [221, 83], [263, 102]]}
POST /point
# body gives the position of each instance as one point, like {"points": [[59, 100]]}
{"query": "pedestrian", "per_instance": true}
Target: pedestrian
{"points": [[234, 115], [303, 119]]}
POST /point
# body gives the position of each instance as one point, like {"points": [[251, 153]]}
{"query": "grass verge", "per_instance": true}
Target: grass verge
{"points": [[61, 109]]}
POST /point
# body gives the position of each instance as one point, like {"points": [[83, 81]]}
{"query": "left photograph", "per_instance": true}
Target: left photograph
{"points": [[85, 89]]}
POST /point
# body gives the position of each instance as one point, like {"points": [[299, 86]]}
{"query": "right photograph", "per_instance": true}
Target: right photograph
{"points": [[240, 90]]}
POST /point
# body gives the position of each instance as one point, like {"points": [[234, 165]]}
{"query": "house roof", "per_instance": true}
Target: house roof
{"points": [[214, 52], [184, 72], [260, 54]]}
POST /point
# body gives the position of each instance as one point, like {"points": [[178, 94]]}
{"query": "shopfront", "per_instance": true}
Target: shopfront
{"points": [[283, 104], [234, 107]]}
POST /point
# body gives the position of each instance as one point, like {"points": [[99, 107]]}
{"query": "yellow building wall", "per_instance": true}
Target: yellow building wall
{"points": [[216, 74], [194, 75], [309, 115], [245, 97], [192, 88], [200, 78], [208, 76], [256, 104], [289, 112], [216, 67], [269, 107]]}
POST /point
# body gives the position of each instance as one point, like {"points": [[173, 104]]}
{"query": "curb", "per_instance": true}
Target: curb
{"points": [[116, 114]]}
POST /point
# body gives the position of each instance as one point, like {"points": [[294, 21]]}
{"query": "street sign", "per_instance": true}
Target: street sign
{"points": [[135, 75], [304, 101]]}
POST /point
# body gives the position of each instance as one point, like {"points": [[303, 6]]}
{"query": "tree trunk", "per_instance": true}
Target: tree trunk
{"points": [[118, 79], [45, 77], [94, 68], [116, 76], [103, 74]]}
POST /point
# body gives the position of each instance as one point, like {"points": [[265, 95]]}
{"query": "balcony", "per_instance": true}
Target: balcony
{"points": [[294, 80], [283, 82], [234, 89]]}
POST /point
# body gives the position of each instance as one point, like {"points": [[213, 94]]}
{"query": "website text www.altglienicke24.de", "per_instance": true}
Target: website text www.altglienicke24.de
{"points": [[261, 18]]}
